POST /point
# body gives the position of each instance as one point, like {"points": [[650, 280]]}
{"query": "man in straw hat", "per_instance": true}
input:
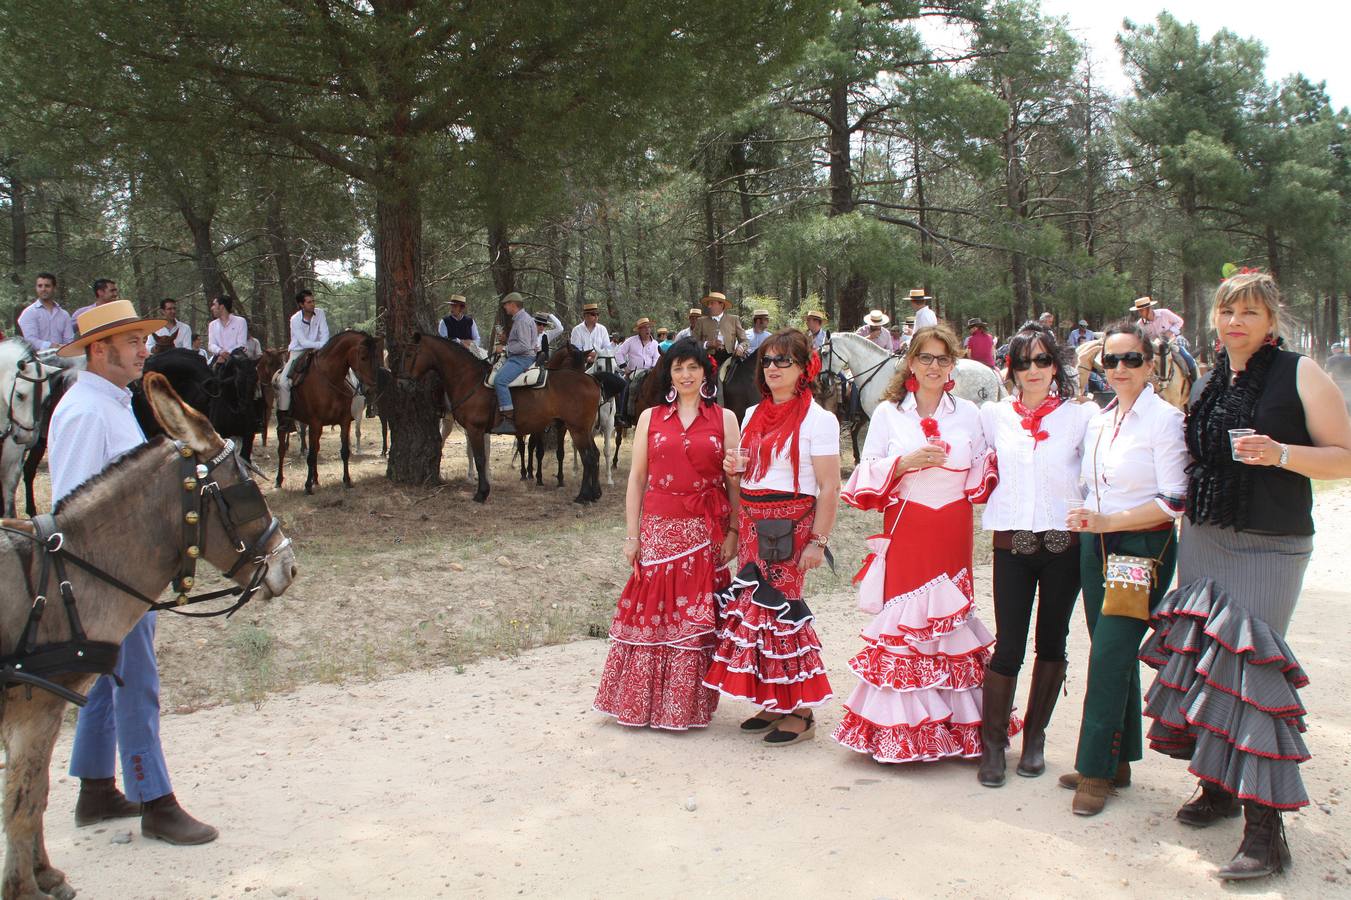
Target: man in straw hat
{"points": [[720, 331], [93, 425], [816, 328], [874, 328], [590, 335], [1164, 326], [636, 356], [759, 330], [924, 316], [458, 325], [663, 339], [695, 315], [520, 352]]}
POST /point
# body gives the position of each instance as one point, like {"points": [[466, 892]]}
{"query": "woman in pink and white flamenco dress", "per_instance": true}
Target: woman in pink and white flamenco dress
{"points": [[922, 665]]}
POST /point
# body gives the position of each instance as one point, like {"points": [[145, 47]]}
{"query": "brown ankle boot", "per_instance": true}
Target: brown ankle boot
{"points": [[100, 800], [1091, 796], [1263, 851], [164, 819], [1122, 779], [1047, 678], [1214, 804], [996, 708]]}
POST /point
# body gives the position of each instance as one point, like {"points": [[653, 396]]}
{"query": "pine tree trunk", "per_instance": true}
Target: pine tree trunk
{"points": [[279, 245], [852, 296], [607, 255], [558, 269], [18, 234], [412, 408]]}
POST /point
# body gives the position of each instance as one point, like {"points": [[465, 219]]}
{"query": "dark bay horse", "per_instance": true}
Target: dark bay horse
{"points": [[572, 397], [269, 364], [127, 522], [225, 395], [325, 398]]}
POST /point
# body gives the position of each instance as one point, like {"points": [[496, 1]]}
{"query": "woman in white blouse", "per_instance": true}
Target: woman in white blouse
{"points": [[1135, 459], [1038, 437]]}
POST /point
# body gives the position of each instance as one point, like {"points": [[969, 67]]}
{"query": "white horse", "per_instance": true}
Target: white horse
{"points": [[873, 368], [24, 384], [605, 419]]}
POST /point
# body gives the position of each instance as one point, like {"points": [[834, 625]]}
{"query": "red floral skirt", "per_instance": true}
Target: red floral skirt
{"points": [[663, 633], [768, 652]]}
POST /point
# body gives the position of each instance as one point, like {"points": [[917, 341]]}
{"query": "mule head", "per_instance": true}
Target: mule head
{"points": [[242, 530]]}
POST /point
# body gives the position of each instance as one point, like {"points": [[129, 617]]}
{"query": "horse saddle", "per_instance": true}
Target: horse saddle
{"points": [[301, 368], [533, 377]]}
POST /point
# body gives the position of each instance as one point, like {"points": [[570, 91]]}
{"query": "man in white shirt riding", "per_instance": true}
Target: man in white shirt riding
{"points": [[924, 316], [695, 316], [44, 324], [759, 330], [309, 331], [179, 331], [227, 331], [105, 291], [589, 335], [92, 425]]}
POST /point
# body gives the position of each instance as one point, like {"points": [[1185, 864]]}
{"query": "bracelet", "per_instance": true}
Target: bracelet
{"points": [[820, 540], [630, 540]]}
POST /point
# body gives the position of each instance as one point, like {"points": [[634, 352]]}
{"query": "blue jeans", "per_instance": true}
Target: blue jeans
{"points": [[510, 371], [125, 720]]}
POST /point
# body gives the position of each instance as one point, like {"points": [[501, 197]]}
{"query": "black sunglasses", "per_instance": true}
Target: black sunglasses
{"points": [[779, 362], [1041, 360], [1132, 360]]}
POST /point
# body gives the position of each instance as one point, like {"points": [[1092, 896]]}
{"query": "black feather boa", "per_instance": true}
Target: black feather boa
{"points": [[1218, 488]]}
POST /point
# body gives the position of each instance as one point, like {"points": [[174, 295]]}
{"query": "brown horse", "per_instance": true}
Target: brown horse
{"points": [[162, 342], [269, 364], [127, 522], [325, 398], [572, 397]]}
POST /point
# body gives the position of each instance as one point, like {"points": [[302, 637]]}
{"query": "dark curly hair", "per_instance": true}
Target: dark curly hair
{"points": [[1021, 346], [681, 350]]}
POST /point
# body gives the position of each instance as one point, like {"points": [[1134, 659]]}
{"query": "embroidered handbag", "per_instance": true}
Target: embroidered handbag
{"points": [[1127, 582], [774, 539]]}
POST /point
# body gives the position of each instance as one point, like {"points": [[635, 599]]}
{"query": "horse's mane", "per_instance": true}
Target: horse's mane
{"points": [[858, 340], [12, 350], [454, 346], [366, 338], [125, 461]]}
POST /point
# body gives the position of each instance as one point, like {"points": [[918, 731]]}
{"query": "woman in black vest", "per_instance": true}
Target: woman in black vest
{"points": [[1226, 693]]}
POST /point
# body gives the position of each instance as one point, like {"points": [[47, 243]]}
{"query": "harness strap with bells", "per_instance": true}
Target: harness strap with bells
{"points": [[32, 664]]}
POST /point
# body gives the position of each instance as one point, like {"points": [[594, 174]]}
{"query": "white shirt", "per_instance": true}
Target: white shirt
{"points": [[43, 328], [819, 435], [925, 317], [1145, 460], [818, 340], [633, 354], [756, 338], [311, 335], [552, 332], [181, 332], [895, 430], [597, 338], [682, 333], [232, 335], [1034, 483], [92, 425]]}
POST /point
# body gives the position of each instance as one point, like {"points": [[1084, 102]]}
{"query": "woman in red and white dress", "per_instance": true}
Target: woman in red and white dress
{"points": [[768, 651], [920, 671], [678, 509]]}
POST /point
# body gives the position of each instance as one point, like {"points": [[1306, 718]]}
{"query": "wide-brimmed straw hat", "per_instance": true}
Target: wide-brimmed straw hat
{"points": [[876, 318], [1143, 303], [591, 307], [542, 319], [641, 322], [715, 295], [696, 311], [456, 298], [663, 330], [918, 294], [106, 320], [977, 322], [760, 313], [818, 315]]}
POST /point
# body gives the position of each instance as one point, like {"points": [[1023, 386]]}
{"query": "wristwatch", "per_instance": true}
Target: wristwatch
{"points": [[1285, 456]]}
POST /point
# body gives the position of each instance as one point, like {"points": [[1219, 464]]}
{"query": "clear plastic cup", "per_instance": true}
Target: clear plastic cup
{"points": [[1234, 435], [1074, 499], [742, 456]]}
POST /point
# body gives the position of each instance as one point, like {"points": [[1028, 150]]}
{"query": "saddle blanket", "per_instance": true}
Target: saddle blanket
{"points": [[533, 377]]}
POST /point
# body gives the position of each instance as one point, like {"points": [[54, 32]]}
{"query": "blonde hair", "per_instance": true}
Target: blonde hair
{"points": [[1257, 287], [896, 389]]}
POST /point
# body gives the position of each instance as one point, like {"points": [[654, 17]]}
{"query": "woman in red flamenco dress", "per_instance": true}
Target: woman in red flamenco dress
{"points": [[768, 652], [677, 508], [921, 669]]}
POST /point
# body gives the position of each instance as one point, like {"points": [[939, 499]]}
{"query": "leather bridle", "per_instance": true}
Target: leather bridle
{"points": [[39, 383]]}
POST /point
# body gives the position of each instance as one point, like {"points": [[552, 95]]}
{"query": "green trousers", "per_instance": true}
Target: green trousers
{"points": [[1111, 729]]}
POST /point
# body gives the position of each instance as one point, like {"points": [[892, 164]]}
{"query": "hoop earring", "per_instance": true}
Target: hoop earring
{"points": [[912, 384], [707, 390], [671, 395]]}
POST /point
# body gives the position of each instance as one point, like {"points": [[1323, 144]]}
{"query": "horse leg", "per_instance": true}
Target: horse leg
{"points": [[558, 450], [607, 430], [854, 431], [346, 453], [478, 446], [29, 736], [312, 459], [283, 444], [30, 474], [619, 441], [590, 489], [521, 452], [384, 437], [10, 470]]}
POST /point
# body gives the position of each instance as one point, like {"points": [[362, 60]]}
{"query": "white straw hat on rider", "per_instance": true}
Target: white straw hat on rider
{"points": [[876, 318], [1143, 303], [115, 317]]}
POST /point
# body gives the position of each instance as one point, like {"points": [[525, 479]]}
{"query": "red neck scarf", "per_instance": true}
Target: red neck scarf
{"points": [[1031, 418], [776, 426]]}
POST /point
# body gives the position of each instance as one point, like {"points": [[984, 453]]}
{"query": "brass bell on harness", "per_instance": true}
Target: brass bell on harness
{"points": [[193, 551], [182, 599], [191, 518], [185, 452], [186, 582], [189, 484]]}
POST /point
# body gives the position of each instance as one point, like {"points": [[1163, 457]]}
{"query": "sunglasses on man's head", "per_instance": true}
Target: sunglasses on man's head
{"points": [[1132, 360], [779, 362], [1041, 361]]}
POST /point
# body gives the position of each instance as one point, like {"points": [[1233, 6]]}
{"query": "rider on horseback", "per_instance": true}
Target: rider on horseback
{"points": [[721, 334], [227, 331], [520, 352], [636, 356], [1164, 326], [309, 331]]}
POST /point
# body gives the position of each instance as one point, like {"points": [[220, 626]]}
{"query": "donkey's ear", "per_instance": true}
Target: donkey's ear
{"points": [[180, 421]]}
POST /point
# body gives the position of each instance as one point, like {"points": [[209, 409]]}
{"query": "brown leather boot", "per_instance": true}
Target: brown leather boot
{"points": [[1123, 778], [1263, 851], [164, 819], [996, 708], [1214, 804], [1091, 796], [1047, 678], [100, 800]]}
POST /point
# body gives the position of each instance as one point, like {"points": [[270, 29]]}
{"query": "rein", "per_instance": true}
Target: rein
{"points": [[238, 504], [38, 384]]}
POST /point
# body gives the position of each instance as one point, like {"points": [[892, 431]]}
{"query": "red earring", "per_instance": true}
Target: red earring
{"points": [[912, 384], [1270, 341], [949, 385]]}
